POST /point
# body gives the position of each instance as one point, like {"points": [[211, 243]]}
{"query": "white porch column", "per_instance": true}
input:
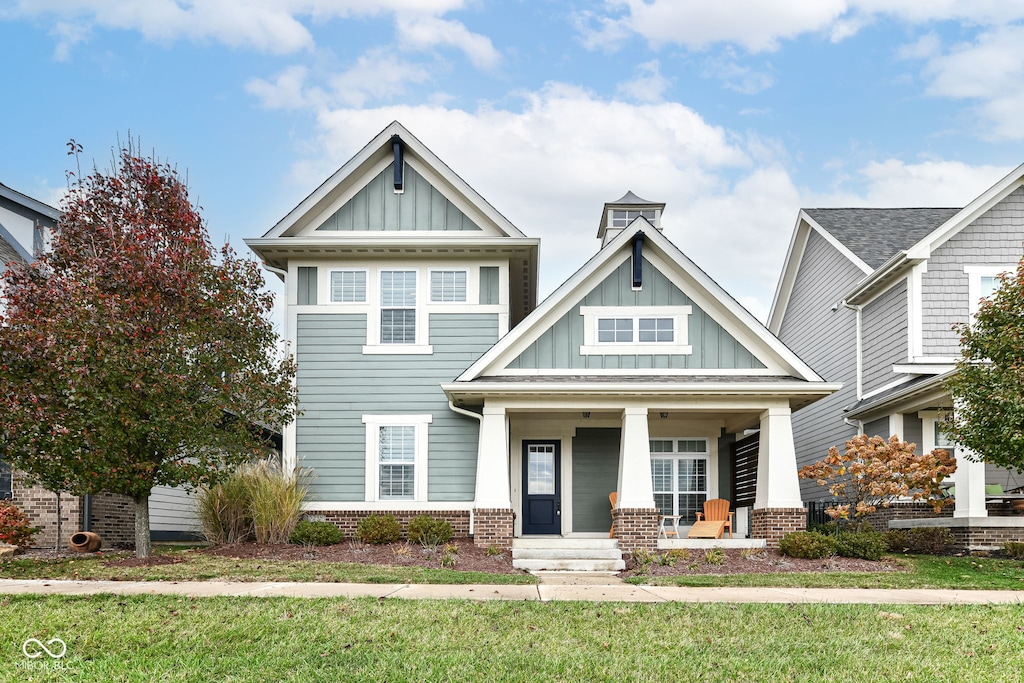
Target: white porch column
{"points": [[970, 487], [777, 483], [492, 473], [635, 487]]}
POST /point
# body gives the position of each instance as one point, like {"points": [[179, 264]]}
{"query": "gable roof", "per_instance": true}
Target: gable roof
{"points": [[874, 235], [781, 362]]}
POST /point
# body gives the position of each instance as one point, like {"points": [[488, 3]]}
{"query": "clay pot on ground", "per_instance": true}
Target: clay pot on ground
{"points": [[85, 542]]}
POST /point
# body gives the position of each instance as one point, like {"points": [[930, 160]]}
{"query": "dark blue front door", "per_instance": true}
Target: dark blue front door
{"points": [[542, 513]]}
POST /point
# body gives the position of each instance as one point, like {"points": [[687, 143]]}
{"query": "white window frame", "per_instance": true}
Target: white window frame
{"points": [[615, 222], [430, 286], [975, 274], [330, 288], [373, 424], [675, 456], [680, 330], [373, 322], [929, 429]]}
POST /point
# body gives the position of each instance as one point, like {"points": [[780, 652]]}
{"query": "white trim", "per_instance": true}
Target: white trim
{"points": [[680, 372], [928, 441], [324, 280], [915, 313], [923, 368], [373, 423], [679, 315], [472, 286], [884, 388], [359, 506], [397, 349]]}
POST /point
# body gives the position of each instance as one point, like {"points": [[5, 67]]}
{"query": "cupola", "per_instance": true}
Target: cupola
{"points": [[619, 214]]}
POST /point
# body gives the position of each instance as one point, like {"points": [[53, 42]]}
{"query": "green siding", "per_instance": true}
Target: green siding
{"points": [[713, 347], [595, 474], [338, 385], [378, 207], [489, 285], [307, 285]]}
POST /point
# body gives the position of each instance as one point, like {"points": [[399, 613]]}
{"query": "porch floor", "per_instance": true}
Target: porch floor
{"points": [[702, 543]]}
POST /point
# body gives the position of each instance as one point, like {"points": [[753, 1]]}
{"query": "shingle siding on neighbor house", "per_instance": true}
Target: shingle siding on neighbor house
{"points": [[559, 346], [595, 468], [338, 385], [377, 207], [884, 332], [993, 239], [825, 340]]}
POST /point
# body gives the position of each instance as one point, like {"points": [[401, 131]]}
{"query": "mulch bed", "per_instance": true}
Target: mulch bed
{"points": [[768, 561]]}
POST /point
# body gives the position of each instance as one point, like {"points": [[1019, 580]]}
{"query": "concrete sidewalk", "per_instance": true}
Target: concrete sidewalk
{"points": [[542, 592]]}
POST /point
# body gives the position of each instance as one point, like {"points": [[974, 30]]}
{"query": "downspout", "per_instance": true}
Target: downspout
{"points": [[479, 418], [87, 512]]}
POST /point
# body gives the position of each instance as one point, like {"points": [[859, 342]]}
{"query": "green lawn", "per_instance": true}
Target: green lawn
{"points": [[919, 571], [199, 567], [168, 638]]}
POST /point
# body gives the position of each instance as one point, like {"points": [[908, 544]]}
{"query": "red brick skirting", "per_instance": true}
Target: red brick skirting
{"points": [[772, 524], [493, 526], [635, 528]]}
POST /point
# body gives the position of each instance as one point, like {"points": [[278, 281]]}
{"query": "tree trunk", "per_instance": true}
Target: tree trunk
{"points": [[142, 544]]}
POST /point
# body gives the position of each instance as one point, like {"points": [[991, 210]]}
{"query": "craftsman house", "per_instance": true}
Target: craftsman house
{"points": [[431, 382], [869, 297]]}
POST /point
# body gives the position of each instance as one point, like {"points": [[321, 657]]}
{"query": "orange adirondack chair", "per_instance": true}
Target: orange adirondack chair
{"points": [[612, 498], [717, 510]]}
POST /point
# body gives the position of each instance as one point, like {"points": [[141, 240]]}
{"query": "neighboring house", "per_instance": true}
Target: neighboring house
{"points": [[869, 297], [429, 381], [25, 228]]}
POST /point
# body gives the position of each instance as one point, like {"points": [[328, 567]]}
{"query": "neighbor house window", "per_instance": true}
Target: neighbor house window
{"points": [[679, 474], [396, 451], [398, 307], [348, 286], [448, 286], [982, 283], [622, 218]]}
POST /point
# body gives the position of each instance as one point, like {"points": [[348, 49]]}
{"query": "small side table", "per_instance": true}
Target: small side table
{"points": [[668, 525]]}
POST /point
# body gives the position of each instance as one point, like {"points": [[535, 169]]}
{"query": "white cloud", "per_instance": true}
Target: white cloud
{"points": [[648, 85], [736, 77], [428, 32], [285, 91]]}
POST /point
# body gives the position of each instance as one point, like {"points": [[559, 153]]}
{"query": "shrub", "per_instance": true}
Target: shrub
{"points": [[864, 545], [14, 526], [807, 544], [929, 540], [428, 531], [493, 550], [824, 528], [256, 501], [316, 533], [714, 556], [1014, 549], [897, 540], [378, 529]]}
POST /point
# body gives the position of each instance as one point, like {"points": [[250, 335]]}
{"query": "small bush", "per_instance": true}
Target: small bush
{"points": [[493, 550], [316, 533], [679, 553], [402, 551], [714, 556], [428, 531], [1014, 549], [667, 560], [930, 540], [14, 526], [448, 559], [807, 544], [378, 529], [897, 540], [864, 545], [824, 528]]}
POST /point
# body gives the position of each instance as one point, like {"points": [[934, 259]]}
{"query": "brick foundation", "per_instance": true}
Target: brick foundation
{"points": [[635, 528], [348, 520], [772, 524], [493, 526]]}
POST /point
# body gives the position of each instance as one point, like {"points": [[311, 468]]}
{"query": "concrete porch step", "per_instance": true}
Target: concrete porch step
{"points": [[566, 553], [557, 542], [580, 565]]}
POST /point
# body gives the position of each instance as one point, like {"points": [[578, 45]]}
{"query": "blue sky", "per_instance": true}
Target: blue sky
{"points": [[736, 113]]}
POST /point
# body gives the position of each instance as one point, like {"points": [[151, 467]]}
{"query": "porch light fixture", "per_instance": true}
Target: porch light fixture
{"points": [[586, 414], [663, 415]]}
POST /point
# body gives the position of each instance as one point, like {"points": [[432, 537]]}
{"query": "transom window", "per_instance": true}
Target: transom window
{"points": [[679, 474], [398, 307], [348, 286], [631, 330], [621, 218], [447, 286]]}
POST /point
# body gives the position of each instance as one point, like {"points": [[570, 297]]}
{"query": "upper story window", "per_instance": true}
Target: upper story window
{"points": [[448, 286], [982, 283], [621, 218], [348, 286], [398, 307], [617, 330]]}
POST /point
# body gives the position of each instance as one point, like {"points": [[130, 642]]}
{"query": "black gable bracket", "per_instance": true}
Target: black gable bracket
{"points": [[638, 260], [396, 146]]}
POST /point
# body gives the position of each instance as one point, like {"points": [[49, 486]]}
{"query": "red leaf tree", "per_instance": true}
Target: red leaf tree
{"points": [[133, 354]]}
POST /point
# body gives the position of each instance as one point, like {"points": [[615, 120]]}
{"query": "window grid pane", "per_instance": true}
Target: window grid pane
{"points": [[397, 481], [397, 456], [689, 505], [693, 446], [398, 443], [541, 468], [692, 474], [657, 330], [615, 330], [398, 326], [398, 288], [448, 286], [348, 286]]}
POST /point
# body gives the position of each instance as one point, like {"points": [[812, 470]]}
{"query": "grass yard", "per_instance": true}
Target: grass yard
{"points": [[920, 571], [168, 638], [189, 565]]}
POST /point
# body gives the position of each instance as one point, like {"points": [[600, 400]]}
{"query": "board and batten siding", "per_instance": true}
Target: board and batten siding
{"points": [[884, 330], [559, 346], [338, 385], [993, 239], [595, 473], [377, 207], [825, 340]]}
